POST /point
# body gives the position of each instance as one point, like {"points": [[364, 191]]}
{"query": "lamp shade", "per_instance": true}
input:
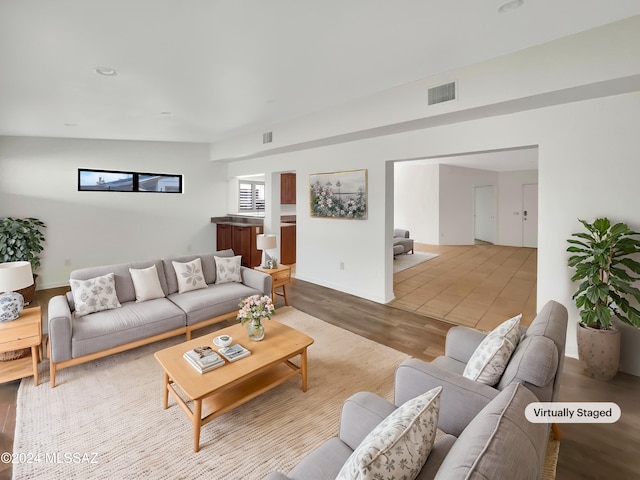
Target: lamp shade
{"points": [[15, 276], [265, 242]]}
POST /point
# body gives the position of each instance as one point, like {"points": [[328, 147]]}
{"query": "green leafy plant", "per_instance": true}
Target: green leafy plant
{"points": [[606, 272], [21, 239]]}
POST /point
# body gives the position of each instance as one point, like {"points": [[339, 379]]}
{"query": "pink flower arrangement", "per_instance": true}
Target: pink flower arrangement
{"points": [[255, 308]]}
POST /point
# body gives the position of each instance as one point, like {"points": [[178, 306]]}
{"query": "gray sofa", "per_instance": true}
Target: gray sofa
{"points": [[498, 443], [75, 340], [487, 435]]}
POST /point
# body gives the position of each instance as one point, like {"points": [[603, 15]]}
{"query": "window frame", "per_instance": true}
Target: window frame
{"points": [[255, 208], [135, 181]]}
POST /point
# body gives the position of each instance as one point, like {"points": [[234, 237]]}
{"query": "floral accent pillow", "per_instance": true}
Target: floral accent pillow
{"points": [[146, 283], [399, 446], [94, 295], [490, 358], [190, 276], [228, 269]]}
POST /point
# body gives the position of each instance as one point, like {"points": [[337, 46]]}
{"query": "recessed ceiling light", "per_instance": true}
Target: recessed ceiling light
{"points": [[70, 124], [166, 113], [509, 6], [106, 71]]}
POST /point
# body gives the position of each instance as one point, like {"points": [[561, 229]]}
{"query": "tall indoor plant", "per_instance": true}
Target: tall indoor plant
{"points": [[607, 273], [21, 239]]}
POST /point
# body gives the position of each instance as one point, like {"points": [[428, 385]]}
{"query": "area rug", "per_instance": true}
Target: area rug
{"points": [[105, 420], [403, 261]]}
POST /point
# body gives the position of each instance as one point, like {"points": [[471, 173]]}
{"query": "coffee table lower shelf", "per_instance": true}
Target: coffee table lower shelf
{"points": [[226, 399]]}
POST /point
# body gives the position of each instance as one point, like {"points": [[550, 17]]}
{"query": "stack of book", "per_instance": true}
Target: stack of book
{"points": [[204, 359], [234, 352]]}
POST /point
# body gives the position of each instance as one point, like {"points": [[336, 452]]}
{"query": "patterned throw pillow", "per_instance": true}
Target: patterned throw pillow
{"points": [[228, 269], [489, 360], [94, 295], [146, 283], [399, 446], [190, 276]]}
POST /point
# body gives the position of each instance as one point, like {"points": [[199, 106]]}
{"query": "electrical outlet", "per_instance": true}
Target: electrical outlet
{"points": [[341, 265], [67, 262]]}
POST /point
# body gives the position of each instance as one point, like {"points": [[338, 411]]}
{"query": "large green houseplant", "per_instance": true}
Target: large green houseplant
{"points": [[21, 239], [601, 256]]}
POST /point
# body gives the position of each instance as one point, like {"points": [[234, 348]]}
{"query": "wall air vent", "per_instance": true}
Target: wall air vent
{"points": [[442, 93], [267, 137]]}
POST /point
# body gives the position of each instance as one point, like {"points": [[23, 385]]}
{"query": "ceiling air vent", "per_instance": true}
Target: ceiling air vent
{"points": [[267, 137], [442, 93]]}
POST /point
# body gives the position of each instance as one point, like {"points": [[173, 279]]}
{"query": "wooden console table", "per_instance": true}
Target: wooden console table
{"points": [[25, 332]]}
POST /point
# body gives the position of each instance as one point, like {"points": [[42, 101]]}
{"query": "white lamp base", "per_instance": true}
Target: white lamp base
{"points": [[11, 305]]}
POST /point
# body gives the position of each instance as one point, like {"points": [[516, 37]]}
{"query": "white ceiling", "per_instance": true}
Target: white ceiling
{"points": [[226, 67]]}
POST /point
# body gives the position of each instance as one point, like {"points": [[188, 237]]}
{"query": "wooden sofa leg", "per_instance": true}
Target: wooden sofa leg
{"points": [[556, 431], [52, 372], [188, 334]]}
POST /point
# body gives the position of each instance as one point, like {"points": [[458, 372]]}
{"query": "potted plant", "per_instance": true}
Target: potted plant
{"points": [[606, 272], [21, 239]]}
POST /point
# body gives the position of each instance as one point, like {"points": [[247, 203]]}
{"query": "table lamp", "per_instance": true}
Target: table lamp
{"points": [[265, 242], [13, 276]]}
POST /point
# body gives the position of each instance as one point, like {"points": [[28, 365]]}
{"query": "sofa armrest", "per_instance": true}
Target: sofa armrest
{"points": [[255, 279], [276, 476], [361, 413], [461, 398], [59, 328], [462, 342]]}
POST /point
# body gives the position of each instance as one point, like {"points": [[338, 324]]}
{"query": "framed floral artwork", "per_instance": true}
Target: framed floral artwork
{"points": [[339, 194]]}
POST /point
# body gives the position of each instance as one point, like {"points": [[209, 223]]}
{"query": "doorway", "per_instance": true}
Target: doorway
{"points": [[530, 215], [485, 213]]}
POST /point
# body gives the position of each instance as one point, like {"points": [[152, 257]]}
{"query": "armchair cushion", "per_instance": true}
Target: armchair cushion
{"points": [[400, 444], [491, 357]]}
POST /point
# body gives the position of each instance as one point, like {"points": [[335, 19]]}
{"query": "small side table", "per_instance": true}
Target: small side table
{"points": [[25, 332], [280, 276]]}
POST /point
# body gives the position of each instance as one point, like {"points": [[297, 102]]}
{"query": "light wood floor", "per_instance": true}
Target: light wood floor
{"points": [[478, 286], [587, 451]]}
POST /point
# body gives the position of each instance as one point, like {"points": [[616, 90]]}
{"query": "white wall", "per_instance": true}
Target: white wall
{"points": [[416, 200], [457, 202], [39, 179]]}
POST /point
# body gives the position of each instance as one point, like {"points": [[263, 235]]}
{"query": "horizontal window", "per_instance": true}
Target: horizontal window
{"points": [[113, 181]]}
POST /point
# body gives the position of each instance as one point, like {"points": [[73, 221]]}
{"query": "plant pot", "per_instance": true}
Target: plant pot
{"points": [[599, 351], [29, 293]]}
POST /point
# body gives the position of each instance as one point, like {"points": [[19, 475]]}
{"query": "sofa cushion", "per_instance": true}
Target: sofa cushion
{"points": [[94, 294], [146, 283], [228, 269], [211, 302], [208, 267], [399, 446], [322, 463], [124, 284], [491, 357], [189, 275], [133, 321], [499, 442]]}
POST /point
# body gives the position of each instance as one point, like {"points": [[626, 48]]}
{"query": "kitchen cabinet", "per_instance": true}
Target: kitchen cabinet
{"points": [[242, 240], [288, 188], [288, 244]]}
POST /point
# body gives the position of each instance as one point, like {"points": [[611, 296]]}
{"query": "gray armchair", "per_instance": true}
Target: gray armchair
{"points": [[401, 242]]}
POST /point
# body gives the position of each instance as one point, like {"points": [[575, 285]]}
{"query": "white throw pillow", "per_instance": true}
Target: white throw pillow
{"points": [[94, 295], [399, 446], [190, 276], [228, 269], [490, 358], [146, 283]]}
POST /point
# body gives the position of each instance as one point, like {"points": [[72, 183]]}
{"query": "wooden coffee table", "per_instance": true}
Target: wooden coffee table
{"points": [[227, 387]]}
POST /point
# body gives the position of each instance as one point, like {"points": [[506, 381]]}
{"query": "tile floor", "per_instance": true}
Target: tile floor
{"points": [[479, 286]]}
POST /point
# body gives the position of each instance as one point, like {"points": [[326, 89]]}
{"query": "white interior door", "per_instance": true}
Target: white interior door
{"points": [[485, 213], [530, 215]]}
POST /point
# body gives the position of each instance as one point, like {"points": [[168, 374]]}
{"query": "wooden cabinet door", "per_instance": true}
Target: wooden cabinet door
{"points": [[241, 243], [288, 247], [288, 188], [223, 237]]}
